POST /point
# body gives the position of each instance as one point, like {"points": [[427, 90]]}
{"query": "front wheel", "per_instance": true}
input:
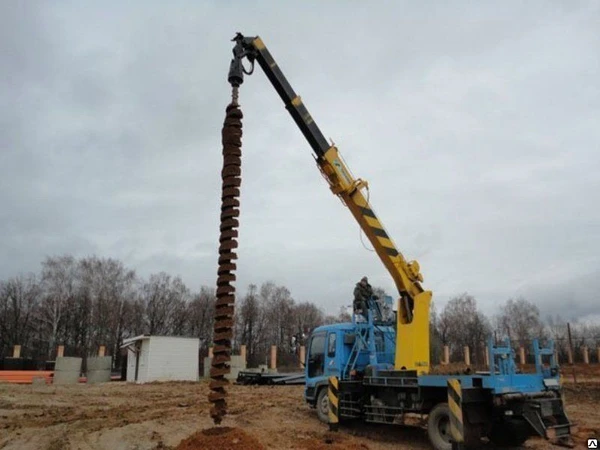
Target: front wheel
{"points": [[438, 427], [323, 405]]}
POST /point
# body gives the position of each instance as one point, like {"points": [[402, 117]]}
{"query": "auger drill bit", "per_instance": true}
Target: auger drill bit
{"points": [[224, 308]]}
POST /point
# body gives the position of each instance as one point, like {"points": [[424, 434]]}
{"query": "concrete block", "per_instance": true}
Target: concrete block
{"points": [[99, 369], [68, 364], [67, 370], [238, 361], [66, 378], [99, 363]]}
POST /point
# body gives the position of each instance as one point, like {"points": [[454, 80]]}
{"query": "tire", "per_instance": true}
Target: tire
{"points": [[509, 434], [438, 427], [322, 405]]}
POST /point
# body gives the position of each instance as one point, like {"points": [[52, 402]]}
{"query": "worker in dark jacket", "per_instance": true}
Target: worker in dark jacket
{"points": [[362, 293]]}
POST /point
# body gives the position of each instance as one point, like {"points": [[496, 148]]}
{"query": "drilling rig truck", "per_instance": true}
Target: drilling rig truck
{"points": [[377, 369]]}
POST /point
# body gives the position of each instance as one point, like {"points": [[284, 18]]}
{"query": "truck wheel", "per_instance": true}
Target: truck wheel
{"points": [[323, 405], [509, 434], [438, 427]]}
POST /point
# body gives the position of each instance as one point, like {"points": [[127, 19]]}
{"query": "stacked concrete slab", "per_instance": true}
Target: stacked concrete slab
{"points": [[67, 370], [98, 369]]}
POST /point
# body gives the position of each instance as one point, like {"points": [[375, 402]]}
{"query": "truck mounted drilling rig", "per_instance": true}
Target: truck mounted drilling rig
{"points": [[378, 370]]}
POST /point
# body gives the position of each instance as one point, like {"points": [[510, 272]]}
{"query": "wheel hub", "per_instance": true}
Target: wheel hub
{"points": [[324, 405], [443, 428]]}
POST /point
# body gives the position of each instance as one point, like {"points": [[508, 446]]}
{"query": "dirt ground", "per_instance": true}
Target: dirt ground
{"points": [[161, 416]]}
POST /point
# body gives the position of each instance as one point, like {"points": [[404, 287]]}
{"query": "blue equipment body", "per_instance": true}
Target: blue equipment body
{"points": [[497, 402]]}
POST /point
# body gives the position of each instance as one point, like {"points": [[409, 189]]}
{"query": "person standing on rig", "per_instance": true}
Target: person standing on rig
{"points": [[362, 293]]}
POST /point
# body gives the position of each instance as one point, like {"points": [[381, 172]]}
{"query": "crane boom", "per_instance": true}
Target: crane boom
{"points": [[412, 346]]}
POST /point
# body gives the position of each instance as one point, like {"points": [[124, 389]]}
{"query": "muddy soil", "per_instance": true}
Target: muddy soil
{"points": [[169, 416]]}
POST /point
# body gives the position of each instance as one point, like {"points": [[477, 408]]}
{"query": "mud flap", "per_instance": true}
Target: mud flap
{"points": [[333, 393], [467, 417]]}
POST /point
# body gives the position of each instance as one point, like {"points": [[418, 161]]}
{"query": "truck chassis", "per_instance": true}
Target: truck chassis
{"points": [[502, 405]]}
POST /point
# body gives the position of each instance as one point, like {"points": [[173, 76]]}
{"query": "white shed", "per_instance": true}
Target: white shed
{"points": [[162, 358]]}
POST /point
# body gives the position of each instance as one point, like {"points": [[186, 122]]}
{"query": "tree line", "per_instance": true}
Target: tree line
{"points": [[88, 302], [461, 323]]}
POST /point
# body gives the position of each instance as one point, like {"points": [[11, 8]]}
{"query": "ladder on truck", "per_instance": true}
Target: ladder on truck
{"points": [[364, 341]]}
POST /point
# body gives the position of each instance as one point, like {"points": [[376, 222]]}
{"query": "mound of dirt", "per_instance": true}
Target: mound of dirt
{"points": [[221, 438], [332, 441]]}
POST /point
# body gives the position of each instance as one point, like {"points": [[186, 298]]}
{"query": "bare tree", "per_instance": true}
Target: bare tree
{"points": [[164, 300], [435, 338], [249, 317], [106, 286], [59, 283], [520, 320], [467, 325], [19, 297], [308, 316], [443, 324], [201, 317]]}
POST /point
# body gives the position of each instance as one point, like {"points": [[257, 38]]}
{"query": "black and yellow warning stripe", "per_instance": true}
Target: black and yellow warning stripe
{"points": [[333, 395], [377, 229], [457, 429]]}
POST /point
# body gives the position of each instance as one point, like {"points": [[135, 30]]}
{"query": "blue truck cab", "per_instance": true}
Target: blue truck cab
{"points": [[332, 352], [503, 405]]}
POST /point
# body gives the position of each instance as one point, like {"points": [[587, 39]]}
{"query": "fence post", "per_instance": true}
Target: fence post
{"points": [[571, 352], [446, 355], [522, 355], [302, 355], [101, 351], [586, 355], [17, 351], [60, 351], [243, 353], [467, 355], [486, 355], [273, 356]]}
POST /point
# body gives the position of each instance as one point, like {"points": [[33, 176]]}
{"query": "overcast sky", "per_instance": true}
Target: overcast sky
{"points": [[477, 127]]}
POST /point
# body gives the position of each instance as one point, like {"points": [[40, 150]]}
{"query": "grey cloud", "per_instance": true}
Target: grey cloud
{"points": [[476, 127]]}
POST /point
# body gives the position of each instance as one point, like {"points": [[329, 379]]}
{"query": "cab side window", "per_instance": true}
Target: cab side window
{"points": [[316, 355], [331, 345]]}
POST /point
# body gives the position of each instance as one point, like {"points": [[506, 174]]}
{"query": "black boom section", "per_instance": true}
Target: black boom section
{"points": [[299, 113]]}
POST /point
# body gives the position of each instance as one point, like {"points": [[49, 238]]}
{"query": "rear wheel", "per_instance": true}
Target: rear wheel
{"points": [[323, 405], [438, 427]]}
